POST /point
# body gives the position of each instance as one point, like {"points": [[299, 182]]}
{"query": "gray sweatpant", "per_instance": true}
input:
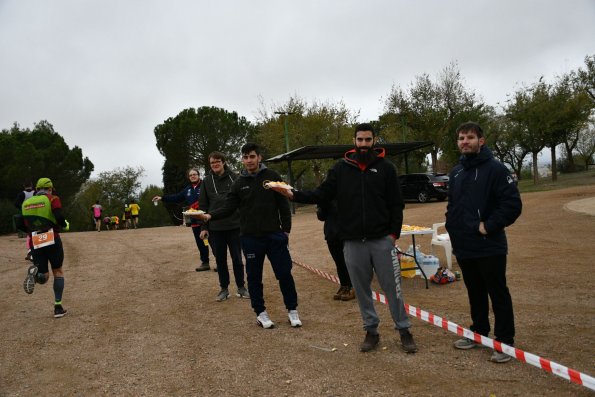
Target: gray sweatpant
{"points": [[363, 259]]}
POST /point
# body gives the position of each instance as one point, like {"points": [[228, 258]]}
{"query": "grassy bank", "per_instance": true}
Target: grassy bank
{"points": [[564, 181]]}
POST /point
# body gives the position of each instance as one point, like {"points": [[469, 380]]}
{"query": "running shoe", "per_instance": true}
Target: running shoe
{"points": [[294, 319], [29, 283], [59, 311], [498, 357], [264, 321], [222, 295]]}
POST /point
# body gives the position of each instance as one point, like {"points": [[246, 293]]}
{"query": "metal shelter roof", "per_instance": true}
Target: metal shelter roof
{"points": [[337, 151]]}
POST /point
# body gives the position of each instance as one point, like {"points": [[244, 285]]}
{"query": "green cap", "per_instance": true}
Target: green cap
{"points": [[44, 183]]}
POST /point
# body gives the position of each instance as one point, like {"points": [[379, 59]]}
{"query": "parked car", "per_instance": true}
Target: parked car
{"points": [[424, 186]]}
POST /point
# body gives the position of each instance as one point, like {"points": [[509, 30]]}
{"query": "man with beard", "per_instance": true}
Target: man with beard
{"points": [[370, 207]]}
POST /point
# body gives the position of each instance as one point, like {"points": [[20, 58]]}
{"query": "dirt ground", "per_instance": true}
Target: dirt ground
{"points": [[142, 322]]}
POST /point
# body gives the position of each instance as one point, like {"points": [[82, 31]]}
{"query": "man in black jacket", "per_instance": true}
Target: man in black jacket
{"points": [[482, 200], [370, 206], [265, 223], [329, 214], [225, 232]]}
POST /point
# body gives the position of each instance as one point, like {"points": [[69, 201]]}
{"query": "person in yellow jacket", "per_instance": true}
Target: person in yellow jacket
{"points": [[115, 222], [134, 210], [43, 219]]}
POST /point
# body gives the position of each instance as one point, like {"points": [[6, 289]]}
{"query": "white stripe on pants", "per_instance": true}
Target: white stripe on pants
{"points": [[363, 259]]}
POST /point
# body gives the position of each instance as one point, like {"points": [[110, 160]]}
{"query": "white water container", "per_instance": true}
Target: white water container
{"points": [[429, 264]]}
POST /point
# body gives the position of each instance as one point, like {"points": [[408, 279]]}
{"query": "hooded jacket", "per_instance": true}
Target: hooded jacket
{"points": [[188, 196], [262, 211], [212, 196], [368, 197], [481, 189]]}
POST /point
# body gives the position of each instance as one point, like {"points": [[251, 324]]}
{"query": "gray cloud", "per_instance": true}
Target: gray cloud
{"points": [[106, 73]]}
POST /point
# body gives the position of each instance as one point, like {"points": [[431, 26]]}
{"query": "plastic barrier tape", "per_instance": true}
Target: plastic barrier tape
{"points": [[547, 365]]}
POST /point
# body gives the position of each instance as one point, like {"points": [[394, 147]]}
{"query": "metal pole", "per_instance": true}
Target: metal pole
{"points": [[289, 173], [286, 135]]}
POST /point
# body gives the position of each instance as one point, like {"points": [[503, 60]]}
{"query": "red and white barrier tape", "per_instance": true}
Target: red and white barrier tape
{"points": [[547, 365]]}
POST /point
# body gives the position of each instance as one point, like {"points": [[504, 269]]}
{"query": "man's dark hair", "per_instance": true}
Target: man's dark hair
{"points": [[248, 147], [470, 126], [364, 127], [217, 156]]}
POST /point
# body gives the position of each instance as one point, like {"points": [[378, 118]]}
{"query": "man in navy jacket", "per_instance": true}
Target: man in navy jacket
{"points": [[482, 200]]}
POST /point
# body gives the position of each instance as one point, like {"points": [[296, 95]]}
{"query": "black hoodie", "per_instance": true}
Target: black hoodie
{"points": [[368, 197], [262, 211]]}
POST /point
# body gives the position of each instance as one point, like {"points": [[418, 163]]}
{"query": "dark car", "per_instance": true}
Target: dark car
{"points": [[424, 186]]}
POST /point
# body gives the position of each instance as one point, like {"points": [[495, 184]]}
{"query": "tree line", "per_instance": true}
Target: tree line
{"points": [[554, 114], [537, 115]]}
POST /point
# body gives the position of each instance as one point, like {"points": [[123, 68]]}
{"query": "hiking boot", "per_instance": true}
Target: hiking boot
{"points": [[29, 283], [348, 294], [59, 311], [243, 293], [339, 293], [294, 319], [222, 295], [465, 344], [370, 342], [498, 357], [264, 321], [407, 343], [203, 267]]}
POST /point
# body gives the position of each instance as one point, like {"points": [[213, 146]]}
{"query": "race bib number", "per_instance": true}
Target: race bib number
{"points": [[41, 240]]}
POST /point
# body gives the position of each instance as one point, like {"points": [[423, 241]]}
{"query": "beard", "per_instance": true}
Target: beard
{"points": [[364, 155]]}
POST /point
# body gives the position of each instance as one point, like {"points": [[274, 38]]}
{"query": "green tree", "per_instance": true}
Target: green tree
{"points": [[41, 152], [187, 139], [586, 77], [528, 109], [586, 145], [431, 111], [316, 123], [26, 155], [112, 189], [569, 114], [503, 141], [152, 215]]}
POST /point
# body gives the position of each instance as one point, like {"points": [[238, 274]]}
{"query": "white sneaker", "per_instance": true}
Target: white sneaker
{"points": [[264, 321], [294, 319]]}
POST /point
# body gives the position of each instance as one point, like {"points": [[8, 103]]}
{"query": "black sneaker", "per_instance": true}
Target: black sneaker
{"points": [[59, 311], [203, 267], [370, 342], [29, 283], [407, 342]]}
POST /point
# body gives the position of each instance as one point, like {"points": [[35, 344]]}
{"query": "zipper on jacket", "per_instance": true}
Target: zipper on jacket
{"points": [[362, 183]]}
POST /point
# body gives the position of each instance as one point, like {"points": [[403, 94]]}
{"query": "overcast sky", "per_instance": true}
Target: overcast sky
{"points": [[105, 73]]}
